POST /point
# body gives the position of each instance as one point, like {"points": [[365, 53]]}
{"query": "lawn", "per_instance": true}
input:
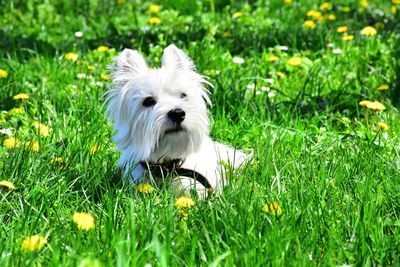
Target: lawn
{"points": [[312, 87]]}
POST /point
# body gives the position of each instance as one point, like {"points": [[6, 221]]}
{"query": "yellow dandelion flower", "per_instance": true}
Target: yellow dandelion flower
{"points": [[342, 29], [145, 188], [363, 3], [71, 56], [396, 2], [184, 202], [154, 8], [3, 74], [315, 14], [311, 13], [120, 2], [294, 61], [345, 9], [91, 67], [102, 48], [154, 20], [21, 96], [331, 17], [42, 129], [287, 2], [375, 105], [265, 208], [93, 149], [11, 142], [393, 10], [226, 34], [237, 14], [183, 213], [273, 207], [347, 38], [364, 103], [280, 74], [33, 146], [16, 110], [34, 243], [59, 162], [8, 185], [369, 31], [105, 76], [325, 6], [277, 208], [383, 87], [273, 58], [309, 24], [383, 126], [84, 221]]}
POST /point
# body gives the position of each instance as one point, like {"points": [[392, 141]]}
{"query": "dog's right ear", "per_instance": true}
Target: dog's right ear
{"points": [[174, 57], [128, 64]]}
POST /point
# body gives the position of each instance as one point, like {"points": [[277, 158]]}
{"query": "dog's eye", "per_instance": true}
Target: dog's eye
{"points": [[149, 101], [183, 95]]}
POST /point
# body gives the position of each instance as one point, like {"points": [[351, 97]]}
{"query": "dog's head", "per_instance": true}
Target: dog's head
{"points": [[158, 114]]}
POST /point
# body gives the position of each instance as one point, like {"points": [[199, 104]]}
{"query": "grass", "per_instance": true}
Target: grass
{"points": [[333, 171]]}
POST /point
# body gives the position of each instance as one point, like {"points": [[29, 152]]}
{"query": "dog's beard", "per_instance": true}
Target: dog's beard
{"points": [[176, 143]]}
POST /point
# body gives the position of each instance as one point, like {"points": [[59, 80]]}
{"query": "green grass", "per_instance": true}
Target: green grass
{"points": [[334, 172]]}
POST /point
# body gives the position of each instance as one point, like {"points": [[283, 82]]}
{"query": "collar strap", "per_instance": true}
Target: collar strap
{"points": [[174, 167]]}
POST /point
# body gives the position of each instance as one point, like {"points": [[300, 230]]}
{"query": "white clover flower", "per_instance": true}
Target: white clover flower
{"points": [[7, 131], [78, 34], [251, 86], [238, 60], [337, 51], [82, 76], [272, 94], [271, 81], [145, 29]]}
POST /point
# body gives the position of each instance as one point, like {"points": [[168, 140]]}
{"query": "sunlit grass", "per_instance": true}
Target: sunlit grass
{"points": [[320, 109]]}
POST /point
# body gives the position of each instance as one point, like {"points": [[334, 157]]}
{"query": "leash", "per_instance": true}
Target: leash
{"points": [[173, 167]]}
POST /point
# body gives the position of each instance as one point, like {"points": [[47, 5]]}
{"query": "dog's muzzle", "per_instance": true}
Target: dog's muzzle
{"points": [[178, 128]]}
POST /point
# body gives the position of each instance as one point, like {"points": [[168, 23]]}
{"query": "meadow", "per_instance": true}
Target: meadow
{"points": [[312, 86]]}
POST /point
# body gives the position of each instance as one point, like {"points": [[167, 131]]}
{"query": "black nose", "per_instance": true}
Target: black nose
{"points": [[176, 115]]}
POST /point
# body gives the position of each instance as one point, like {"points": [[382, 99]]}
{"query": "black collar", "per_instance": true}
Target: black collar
{"points": [[174, 167]]}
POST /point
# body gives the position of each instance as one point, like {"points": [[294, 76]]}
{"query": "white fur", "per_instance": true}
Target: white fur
{"points": [[140, 131]]}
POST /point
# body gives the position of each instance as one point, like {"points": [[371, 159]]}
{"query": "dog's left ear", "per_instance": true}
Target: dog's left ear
{"points": [[174, 57]]}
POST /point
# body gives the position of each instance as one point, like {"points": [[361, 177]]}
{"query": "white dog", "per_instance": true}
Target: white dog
{"points": [[162, 126]]}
